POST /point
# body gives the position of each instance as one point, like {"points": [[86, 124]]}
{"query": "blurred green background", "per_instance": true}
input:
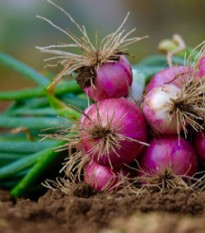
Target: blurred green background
{"points": [[21, 31]]}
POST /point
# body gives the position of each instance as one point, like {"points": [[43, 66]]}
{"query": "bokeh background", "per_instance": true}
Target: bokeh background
{"points": [[21, 31]]}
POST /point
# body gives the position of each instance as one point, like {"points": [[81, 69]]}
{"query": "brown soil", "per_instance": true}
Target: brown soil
{"points": [[176, 211]]}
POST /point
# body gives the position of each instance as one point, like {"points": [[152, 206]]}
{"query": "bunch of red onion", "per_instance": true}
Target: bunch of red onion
{"points": [[113, 131]]}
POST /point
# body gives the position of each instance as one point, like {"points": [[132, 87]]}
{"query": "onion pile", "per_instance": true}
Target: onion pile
{"points": [[113, 131]]}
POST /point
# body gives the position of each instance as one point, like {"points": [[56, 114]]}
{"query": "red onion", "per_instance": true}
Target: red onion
{"points": [[172, 75], [168, 153], [177, 75], [102, 69], [112, 80], [102, 178], [199, 145], [169, 109], [114, 132], [157, 108]]}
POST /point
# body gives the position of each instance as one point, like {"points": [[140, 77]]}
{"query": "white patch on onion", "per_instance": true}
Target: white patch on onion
{"points": [[158, 109]]}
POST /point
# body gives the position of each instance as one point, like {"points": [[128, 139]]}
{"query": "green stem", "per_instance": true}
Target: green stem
{"points": [[63, 110], [35, 103], [32, 122], [62, 88], [28, 109], [22, 94], [45, 158], [19, 165], [9, 156], [74, 100], [24, 147], [8, 184], [34, 112], [27, 104], [23, 69]]}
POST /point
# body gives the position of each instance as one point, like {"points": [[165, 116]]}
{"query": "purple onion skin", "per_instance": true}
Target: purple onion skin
{"points": [[168, 76], [165, 152], [113, 80], [125, 118], [202, 67], [101, 177], [199, 145]]}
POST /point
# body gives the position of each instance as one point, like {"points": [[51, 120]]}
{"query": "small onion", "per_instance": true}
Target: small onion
{"points": [[172, 75], [113, 132], [199, 145], [157, 109], [102, 178], [169, 108], [112, 80], [168, 153]]}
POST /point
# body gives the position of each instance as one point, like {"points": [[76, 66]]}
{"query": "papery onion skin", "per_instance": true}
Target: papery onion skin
{"points": [[102, 178], [172, 75], [157, 111], [169, 153], [125, 119], [199, 145], [113, 80]]}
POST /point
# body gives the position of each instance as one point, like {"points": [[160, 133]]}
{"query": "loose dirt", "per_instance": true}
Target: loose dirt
{"points": [[85, 211]]}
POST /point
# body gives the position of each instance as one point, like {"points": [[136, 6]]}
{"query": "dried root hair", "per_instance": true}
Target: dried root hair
{"points": [[90, 55], [73, 177], [70, 135], [164, 181], [189, 106], [136, 186], [199, 181], [72, 170]]}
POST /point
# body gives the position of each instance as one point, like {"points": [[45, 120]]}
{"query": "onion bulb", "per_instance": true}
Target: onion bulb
{"points": [[111, 80], [113, 132], [101, 68], [176, 76], [169, 154], [103, 178], [170, 109]]}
